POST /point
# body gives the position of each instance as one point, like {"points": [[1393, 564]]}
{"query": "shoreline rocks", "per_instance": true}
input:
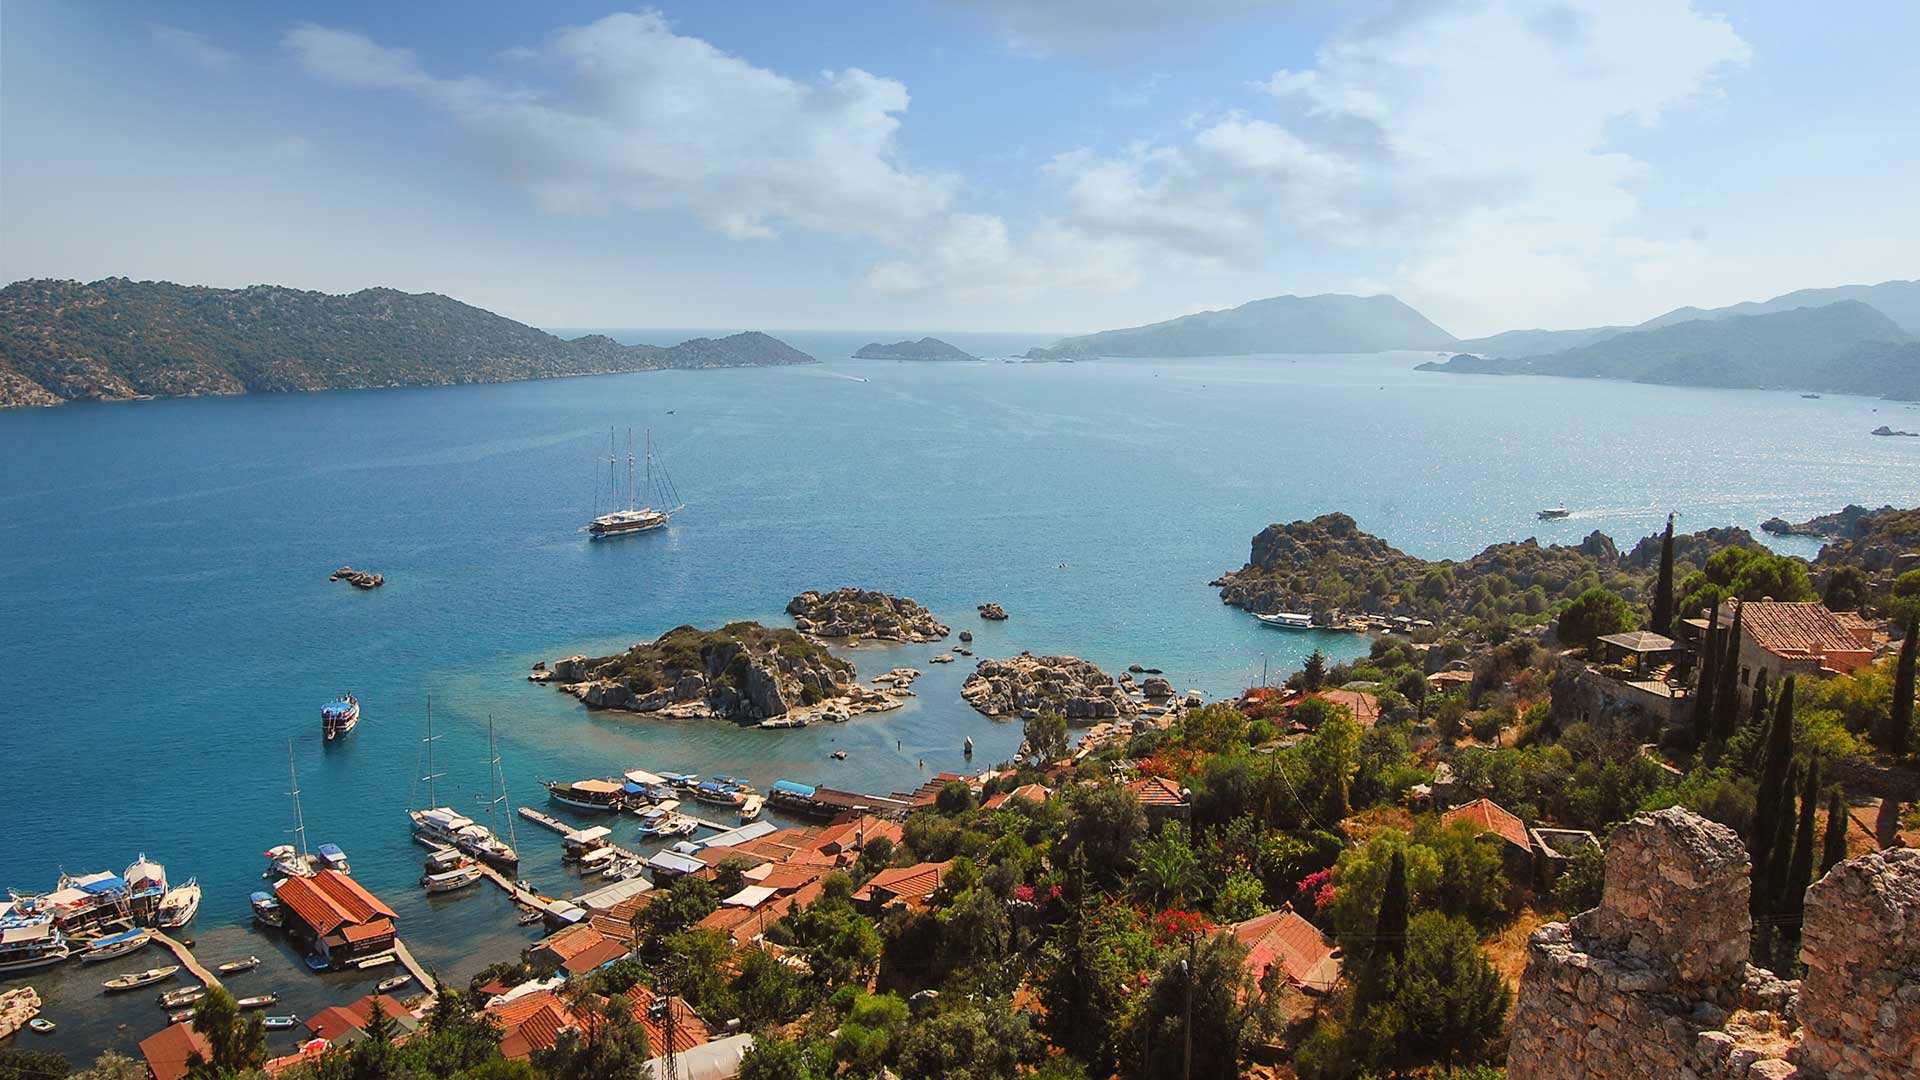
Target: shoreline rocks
{"points": [[359, 579], [863, 613], [993, 612], [1027, 685]]}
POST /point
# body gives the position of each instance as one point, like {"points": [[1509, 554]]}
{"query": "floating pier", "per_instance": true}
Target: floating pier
{"points": [[419, 973], [185, 956]]}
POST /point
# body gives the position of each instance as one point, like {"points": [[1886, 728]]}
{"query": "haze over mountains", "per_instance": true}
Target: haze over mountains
{"points": [[1329, 323], [115, 339]]}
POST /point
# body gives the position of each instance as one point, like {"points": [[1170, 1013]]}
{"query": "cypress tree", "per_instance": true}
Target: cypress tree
{"points": [[1726, 701], [1792, 900], [1391, 930], [1773, 780], [1757, 717], [1663, 587], [1768, 887], [1834, 848], [1709, 680], [1899, 729]]}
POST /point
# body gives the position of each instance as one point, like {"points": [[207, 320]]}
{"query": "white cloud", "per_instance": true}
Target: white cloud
{"points": [[195, 48], [1103, 29], [1477, 135], [645, 118], [971, 259]]}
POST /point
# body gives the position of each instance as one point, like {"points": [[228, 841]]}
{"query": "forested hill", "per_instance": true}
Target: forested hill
{"points": [[1330, 323], [1846, 347], [116, 338]]}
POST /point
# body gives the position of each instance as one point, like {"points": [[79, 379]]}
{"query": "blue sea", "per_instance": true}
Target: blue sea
{"points": [[169, 629]]}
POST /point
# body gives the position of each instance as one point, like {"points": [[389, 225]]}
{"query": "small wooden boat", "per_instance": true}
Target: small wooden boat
{"points": [[838, 755], [279, 1023], [184, 1016], [529, 918], [257, 1001], [185, 995], [134, 980], [235, 967], [41, 1025], [113, 945], [387, 986]]}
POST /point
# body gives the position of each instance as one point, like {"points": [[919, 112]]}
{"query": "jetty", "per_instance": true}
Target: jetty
{"points": [[186, 958], [419, 973]]}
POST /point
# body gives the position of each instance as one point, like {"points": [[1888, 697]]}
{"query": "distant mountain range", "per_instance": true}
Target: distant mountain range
{"points": [[927, 348], [116, 338], [1329, 323], [1843, 347]]}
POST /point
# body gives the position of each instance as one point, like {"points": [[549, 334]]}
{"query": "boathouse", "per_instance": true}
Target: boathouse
{"points": [[335, 917]]}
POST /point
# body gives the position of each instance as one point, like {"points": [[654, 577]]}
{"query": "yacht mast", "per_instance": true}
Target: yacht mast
{"points": [[431, 776], [630, 492], [299, 822], [500, 786]]}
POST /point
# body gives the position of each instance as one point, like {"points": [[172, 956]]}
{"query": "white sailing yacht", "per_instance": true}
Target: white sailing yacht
{"points": [[485, 843], [290, 860], [638, 516]]}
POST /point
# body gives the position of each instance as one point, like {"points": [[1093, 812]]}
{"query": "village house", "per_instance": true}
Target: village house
{"points": [[1496, 821], [532, 1022], [1364, 706], [335, 917], [167, 1050], [1162, 799], [900, 887], [341, 1023], [1291, 948], [1033, 793], [576, 950], [1797, 639]]}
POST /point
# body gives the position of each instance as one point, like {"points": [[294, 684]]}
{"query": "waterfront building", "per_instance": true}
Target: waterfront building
{"points": [[335, 917]]}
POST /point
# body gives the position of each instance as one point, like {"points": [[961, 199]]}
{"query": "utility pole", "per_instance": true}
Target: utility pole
{"points": [[1193, 942]]}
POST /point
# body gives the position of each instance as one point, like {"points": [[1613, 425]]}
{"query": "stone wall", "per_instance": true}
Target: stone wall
{"points": [[1614, 709], [1655, 983]]}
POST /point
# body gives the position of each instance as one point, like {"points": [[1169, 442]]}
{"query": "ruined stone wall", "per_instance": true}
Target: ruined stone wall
{"points": [[1655, 983]]}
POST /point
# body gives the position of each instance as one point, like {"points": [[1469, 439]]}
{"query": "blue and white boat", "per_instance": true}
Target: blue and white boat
{"points": [[113, 945], [266, 909], [682, 781], [29, 943], [337, 717], [334, 859]]}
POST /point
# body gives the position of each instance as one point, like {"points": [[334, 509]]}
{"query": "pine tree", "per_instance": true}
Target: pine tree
{"points": [[1792, 900], [1314, 675], [1773, 781], [1390, 933], [1709, 680], [1663, 588], [1834, 848], [1726, 701], [1899, 730]]}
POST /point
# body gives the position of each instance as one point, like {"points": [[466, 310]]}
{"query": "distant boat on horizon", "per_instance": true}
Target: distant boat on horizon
{"points": [[1554, 513], [639, 516]]}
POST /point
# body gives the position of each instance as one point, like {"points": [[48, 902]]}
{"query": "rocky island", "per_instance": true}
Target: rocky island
{"points": [[1028, 685], [744, 672], [927, 348], [68, 341], [863, 613], [1843, 522]]}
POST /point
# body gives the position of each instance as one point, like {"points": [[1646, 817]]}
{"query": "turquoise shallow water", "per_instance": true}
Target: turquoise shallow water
{"points": [[168, 625]]}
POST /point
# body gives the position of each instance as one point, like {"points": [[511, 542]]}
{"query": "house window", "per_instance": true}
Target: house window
{"points": [[1744, 674]]}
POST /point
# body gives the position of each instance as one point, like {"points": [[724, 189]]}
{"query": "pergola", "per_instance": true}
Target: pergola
{"points": [[1638, 644]]}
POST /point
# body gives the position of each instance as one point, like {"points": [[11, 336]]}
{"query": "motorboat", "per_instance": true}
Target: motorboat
{"points": [[715, 793], [184, 1016], [734, 782], [598, 861], [180, 905], [185, 995], [1286, 620], [235, 967], [279, 1023], [257, 1001], [1554, 513], [113, 945], [750, 809], [339, 716], [602, 795], [31, 943], [146, 889], [388, 986], [447, 881], [88, 904], [680, 781], [581, 841], [659, 824], [622, 869], [480, 842], [137, 979], [40, 1025], [838, 755], [529, 918], [266, 909], [284, 861], [334, 859]]}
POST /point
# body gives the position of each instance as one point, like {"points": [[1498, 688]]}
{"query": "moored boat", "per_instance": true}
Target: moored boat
{"points": [[40, 1025], [680, 781], [180, 905], [660, 823], [283, 860], [146, 888], [1554, 513], [31, 943], [598, 861], [257, 1001], [334, 859], [133, 980], [339, 716], [715, 793], [750, 809], [279, 1023], [449, 880], [235, 967], [1286, 620], [185, 995], [266, 909], [113, 945], [388, 986], [184, 1016], [444, 860], [602, 795]]}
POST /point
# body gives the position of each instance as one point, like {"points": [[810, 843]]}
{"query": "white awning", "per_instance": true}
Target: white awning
{"points": [[750, 897]]}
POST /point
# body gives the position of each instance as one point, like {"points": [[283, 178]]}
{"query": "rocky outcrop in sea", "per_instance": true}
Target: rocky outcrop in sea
{"points": [[743, 672], [863, 613], [993, 612], [1843, 522], [1027, 685]]}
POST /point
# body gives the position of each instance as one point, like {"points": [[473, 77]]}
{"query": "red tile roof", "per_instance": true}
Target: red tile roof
{"points": [[689, 1030], [1489, 816], [337, 1020], [533, 1022], [1157, 791], [329, 900], [1796, 630], [576, 947], [368, 931], [904, 883], [1284, 939], [168, 1049], [1035, 793]]}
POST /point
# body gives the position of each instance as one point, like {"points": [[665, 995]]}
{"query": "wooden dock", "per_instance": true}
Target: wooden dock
{"points": [[185, 956], [419, 973]]}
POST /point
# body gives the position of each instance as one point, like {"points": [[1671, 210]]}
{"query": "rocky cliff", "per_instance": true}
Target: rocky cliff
{"points": [[1656, 983], [863, 613], [742, 671], [1026, 685]]}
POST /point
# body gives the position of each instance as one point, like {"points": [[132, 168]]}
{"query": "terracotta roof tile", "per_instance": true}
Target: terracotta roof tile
{"points": [[1296, 946], [1489, 816], [907, 883], [1157, 791], [329, 900], [689, 1030], [1795, 629], [168, 1049]]}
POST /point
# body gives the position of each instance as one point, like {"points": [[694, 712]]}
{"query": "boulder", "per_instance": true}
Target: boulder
{"points": [[993, 612]]}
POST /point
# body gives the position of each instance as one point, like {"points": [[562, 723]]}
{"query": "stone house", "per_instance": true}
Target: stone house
{"points": [[1797, 639], [1162, 799]]}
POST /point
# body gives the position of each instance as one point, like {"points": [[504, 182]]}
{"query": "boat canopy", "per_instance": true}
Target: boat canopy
{"points": [[644, 778], [114, 939], [338, 707], [596, 787], [587, 836], [329, 851], [97, 884], [788, 787], [445, 817], [33, 931]]}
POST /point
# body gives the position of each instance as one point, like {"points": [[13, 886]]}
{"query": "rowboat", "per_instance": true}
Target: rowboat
{"points": [[279, 1023], [395, 983], [184, 1016], [185, 995], [258, 1001], [136, 979], [235, 967], [41, 1025]]}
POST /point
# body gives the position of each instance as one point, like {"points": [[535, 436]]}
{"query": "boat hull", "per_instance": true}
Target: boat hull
{"points": [[40, 960]]}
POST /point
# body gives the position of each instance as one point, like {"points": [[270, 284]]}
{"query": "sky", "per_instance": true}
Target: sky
{"points": [[1017, 165]]}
